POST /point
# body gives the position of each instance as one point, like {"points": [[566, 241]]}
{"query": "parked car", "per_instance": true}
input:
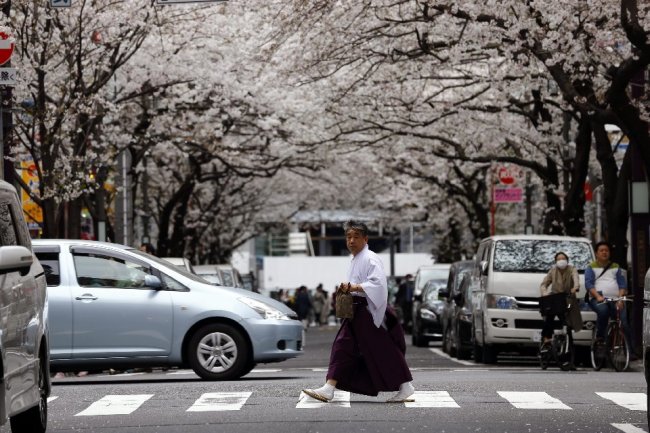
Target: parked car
{"points": [[210, 273], [427, 324], [112, 306], [439, 271], [24, 352], [461, 321], [454, 307], [505, 303], [424, 274], [230, 276], [181, 262]]}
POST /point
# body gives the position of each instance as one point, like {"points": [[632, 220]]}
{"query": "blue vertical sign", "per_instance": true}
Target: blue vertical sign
{"points": [[60, 3]]}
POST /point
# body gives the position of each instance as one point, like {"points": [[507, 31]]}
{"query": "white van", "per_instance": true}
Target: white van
{"points": [[24, 352], [509, 270]]}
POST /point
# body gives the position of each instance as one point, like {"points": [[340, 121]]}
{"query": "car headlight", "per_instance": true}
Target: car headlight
{"points": [[264, 310], [427, 314], [502, 302]]}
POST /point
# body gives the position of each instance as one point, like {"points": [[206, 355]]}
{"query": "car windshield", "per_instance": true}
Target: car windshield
{"points": [[432, 274], [527, 255], [431, 293]]}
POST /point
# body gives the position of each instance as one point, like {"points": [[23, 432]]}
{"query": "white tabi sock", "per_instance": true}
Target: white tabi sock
{"points": [[327, 390]]}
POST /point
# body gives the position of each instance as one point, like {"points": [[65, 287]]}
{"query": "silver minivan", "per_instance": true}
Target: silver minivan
{"points": [[113, 306], [24, 354], [509, 270]]}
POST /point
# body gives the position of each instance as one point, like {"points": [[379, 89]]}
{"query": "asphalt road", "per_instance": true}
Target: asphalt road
{"points": [[512, 396]]}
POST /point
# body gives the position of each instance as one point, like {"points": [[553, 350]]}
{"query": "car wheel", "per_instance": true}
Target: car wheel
{"points": [[219, 352], [461, 353], [490, 354], [34, 420]]}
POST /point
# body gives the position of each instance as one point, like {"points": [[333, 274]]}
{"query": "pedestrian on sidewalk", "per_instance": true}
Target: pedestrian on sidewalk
{"points": [[367, 355]]}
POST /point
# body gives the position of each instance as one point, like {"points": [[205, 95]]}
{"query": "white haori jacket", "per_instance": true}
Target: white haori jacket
{"points": [[367, 270]]}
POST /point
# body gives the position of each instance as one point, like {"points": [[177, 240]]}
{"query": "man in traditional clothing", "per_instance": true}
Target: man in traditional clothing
{"points": [[368, 352]]}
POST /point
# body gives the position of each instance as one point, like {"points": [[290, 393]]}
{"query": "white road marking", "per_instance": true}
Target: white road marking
{"points": [[220, 401], [115, 405], [629, 400], [432, 399], [52, 398], [266, 370], [319, 370], [532, 400], [444, 355], [628, 428], [181, 372], [341, 399]]}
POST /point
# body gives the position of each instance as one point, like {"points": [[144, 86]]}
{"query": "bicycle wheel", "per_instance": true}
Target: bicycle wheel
{"points": [[564, 352], [598, 354], [619, 351]]}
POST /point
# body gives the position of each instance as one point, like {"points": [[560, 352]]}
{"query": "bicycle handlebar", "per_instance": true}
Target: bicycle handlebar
{"points": [[618, 298]]}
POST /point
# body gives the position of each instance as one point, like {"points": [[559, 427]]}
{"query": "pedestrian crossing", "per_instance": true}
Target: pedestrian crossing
{"points": [[125, 404]]}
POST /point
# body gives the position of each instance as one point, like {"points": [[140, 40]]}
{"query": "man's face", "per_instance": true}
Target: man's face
{"points": [[602, 253], [355, 241]]}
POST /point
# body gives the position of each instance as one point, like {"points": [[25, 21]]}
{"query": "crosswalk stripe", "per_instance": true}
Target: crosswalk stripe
{"points": [[629, 400], [532, 400], [444, 355], [115, 405], [220, 401], [432, 399], [628, 428], [341, 399], [52, 398]]}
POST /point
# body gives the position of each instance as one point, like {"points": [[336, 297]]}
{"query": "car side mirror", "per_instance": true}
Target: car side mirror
{"points": [[15, 258], [153, 282], [417, 298], [484, 267]]}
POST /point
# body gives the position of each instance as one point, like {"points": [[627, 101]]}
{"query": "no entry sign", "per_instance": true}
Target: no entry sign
{"points": [[6, 47]]}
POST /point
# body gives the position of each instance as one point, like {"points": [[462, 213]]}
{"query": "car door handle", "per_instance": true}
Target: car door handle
{"points": [[86, 297]]}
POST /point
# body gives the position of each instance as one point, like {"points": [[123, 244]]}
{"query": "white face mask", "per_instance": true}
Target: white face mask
{"points": [[561, 264]]}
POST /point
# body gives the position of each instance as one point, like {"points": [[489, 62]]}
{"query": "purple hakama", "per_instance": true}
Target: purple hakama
{"points": [[367, 359]]}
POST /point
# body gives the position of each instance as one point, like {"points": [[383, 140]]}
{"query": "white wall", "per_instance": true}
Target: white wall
{"points": [[292, 272]]}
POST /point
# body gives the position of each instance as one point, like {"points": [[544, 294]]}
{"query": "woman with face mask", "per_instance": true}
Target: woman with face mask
{"points": [[562, 278]]}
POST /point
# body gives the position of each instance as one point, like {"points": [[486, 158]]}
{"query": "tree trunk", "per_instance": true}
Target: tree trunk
{"points": [[609, 171], [552, 218], [574, 201]]}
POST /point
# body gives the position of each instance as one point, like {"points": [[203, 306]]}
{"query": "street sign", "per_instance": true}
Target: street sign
{"points": [[8, 76], [508, 174], [60, 3], [508, 195], [6, 47], [169, 2]]}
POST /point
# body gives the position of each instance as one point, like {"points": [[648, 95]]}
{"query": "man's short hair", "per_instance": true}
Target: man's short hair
{"points": [[362, 228], [601, 243]]}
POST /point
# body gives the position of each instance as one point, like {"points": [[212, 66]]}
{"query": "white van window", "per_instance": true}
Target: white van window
{"points": [[538, 255]]}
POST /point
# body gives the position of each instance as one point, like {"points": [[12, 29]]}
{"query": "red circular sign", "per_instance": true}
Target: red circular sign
{"points": [[6, 47], [505, 176]]}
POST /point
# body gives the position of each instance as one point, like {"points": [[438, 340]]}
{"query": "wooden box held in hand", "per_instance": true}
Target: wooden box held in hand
{"points": [[344, 307]]}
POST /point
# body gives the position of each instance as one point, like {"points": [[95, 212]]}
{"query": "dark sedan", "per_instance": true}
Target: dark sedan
{"points": [[427, 325]]}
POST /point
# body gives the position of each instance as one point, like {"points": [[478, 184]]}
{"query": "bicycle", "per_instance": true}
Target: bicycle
{"points": [[614, 348], [559, 349]]}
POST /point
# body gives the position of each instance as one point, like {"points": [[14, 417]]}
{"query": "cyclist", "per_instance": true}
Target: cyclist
{"points": [[562, 278], [604, 279]]}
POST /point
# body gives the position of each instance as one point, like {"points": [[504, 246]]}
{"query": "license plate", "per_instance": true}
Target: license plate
{"points": [[537, 336]]}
